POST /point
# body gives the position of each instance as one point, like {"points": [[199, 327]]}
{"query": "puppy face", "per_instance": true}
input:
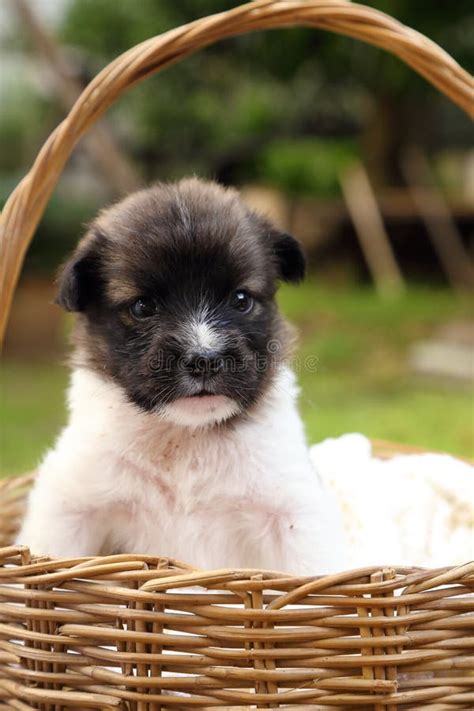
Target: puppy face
{"points": [[175, 291]]}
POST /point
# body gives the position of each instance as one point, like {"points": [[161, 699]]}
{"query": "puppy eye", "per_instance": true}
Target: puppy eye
{"points": [[242, 301], [143, 308]]}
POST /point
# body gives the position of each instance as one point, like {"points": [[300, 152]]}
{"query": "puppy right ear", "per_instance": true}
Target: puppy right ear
{"points": [[78, 280]]}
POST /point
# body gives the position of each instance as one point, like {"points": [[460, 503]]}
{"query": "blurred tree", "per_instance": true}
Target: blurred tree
{"points": [[286, 107], [214, 112]]}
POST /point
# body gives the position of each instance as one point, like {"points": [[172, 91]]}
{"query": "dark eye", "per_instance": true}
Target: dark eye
{"points": [[143, 308], [241, 301]]}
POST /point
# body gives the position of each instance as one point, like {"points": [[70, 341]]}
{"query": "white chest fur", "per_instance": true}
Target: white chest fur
{"points": [[243, 495]]}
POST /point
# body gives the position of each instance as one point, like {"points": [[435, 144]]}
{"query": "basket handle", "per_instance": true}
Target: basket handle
{"points": [[25, 206]]}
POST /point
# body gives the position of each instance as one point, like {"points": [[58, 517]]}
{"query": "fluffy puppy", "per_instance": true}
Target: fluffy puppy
{"points": [[183, 436]]}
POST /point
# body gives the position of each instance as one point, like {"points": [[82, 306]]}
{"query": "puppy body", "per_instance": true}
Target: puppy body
{"points": [[183, 437], [246, 496]]}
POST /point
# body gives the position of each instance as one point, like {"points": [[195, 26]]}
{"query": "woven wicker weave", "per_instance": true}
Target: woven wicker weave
{"points": [[129, 632]]}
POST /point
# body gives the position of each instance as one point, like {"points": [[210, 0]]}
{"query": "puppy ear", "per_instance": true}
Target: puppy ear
{"points": [[78, 280], [290, 257]]}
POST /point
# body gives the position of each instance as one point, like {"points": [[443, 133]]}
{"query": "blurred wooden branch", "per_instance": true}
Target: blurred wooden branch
{"points": [[368, 223], [435, 213], [99, 143]]}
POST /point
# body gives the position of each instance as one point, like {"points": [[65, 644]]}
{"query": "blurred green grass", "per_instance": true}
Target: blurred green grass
{"points": [[361, 381]]}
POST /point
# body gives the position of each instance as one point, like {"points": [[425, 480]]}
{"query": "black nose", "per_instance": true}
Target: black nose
{"points": [[201, 364]]}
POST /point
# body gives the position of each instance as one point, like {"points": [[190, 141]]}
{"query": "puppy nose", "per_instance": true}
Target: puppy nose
{"points": [[207, 363]]}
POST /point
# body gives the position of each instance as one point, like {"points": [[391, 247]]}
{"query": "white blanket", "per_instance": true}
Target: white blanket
{"points": [[415, 509]]}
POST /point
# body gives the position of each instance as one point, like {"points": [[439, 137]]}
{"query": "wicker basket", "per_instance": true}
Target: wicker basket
{"points": [[141, 633]]}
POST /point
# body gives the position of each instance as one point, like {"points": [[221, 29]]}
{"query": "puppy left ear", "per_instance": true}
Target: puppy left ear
{"points": [[78, 282], [290, 257]]}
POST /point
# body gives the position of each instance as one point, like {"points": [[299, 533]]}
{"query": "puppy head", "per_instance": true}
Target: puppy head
{"points": [[174, 289]]}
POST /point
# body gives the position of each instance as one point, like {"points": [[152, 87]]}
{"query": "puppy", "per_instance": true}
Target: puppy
{"points": [[183, 438]]}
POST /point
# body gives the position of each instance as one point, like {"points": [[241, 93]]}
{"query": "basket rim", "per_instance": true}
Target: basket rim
{"points": [[167, 574]]}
